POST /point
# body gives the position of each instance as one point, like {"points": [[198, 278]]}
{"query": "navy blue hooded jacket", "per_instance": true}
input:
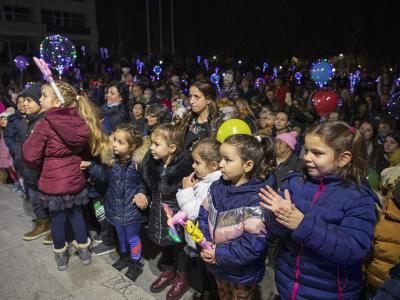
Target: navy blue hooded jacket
{"points": [[231, 218], [321, 259], [124, 182]]}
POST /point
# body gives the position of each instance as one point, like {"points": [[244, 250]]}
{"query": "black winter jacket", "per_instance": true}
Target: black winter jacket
{"points": [[164, 184]]}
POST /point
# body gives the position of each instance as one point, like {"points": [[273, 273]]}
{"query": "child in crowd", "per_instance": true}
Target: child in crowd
{"points": [[232, 220], [125, 199], [386, 250], [206, 158], [34, 113], [163, 170], [56, 146], [266, 123], [326, 218], [6, 163]]}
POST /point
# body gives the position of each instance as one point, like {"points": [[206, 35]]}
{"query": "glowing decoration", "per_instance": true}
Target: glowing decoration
{"points": [[265, 67], [173, 234], [397, 81], [354, 80], [48, 76], [205, 61], [259, 82], [198, 59], [232, 127], [58, 52], [157, 70], [275, 73], [321, 72], [214, 57], [161, 62], [393, 106], [21, 62], [215, 78], [239, 62], [325, 102], [298, 77]]}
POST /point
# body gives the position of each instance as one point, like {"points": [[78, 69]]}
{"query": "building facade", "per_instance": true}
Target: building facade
{"points": [[24, 24]]}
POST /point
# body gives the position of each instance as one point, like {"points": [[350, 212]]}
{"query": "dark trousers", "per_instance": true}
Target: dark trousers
{"points": [[175, 256], [60, 229], [37, 207], [208, 282], [129, 240]]}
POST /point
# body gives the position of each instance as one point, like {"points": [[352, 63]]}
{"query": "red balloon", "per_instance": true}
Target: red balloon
{"points": [[324, 102]]}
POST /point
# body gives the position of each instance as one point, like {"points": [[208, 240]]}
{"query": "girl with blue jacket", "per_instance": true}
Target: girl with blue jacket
{"points": [[125, 199], [326, 217], [231, 218]]}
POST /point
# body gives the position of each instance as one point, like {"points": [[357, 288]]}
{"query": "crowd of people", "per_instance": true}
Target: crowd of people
{"points": [[115, 148]]}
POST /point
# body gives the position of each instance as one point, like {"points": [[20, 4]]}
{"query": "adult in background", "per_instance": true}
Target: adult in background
{"points": [[115, 110]]}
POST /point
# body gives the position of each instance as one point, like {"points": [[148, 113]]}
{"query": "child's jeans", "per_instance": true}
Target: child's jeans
{"points": [[129, 240], [175, 256], [60, 228]]}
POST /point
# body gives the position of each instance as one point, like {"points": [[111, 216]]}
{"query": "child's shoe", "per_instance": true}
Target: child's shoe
{"points": [[48, 239], [62, 257], [135, 269], [165, 279], [84, 253], [122, 262], [42, 227], [179, 287]]}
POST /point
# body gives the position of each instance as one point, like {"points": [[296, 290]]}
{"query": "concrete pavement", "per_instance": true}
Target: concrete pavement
{"points": [[28, 269]]}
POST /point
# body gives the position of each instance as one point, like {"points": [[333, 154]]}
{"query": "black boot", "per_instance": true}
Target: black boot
{"points": [[135, 269], [122, 262]]}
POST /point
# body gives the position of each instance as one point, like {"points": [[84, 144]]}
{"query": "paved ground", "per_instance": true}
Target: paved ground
{"points": [[28, 270]]}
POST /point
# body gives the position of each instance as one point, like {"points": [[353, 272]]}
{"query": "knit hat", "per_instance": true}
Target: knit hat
{"points": [[289, 138], [228, 77], [34, 92], [8, 112]]}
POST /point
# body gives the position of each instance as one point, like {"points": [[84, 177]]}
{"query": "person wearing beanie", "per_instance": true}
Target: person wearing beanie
{"points": [[34, 113], [229, 88], [287, 160]]}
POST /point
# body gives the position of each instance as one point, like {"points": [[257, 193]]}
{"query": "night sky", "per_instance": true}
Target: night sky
{"points": [[255, 29]]}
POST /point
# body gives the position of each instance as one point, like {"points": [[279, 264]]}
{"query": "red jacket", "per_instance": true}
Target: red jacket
{"points": [[55, 145]]}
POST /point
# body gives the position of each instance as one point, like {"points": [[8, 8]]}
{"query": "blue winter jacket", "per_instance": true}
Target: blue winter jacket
{"points": [[321, 259], [113, 116], [124, 182], [231, 218]]}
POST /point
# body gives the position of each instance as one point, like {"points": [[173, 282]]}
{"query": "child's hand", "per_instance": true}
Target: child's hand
{"points": [[209, 255], [273, 201], [140, 200], [85, 164], [290, 218], [189, 181]]}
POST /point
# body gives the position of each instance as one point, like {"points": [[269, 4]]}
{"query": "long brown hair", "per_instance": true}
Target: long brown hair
{"points": [[342, 137], [209, 93]]}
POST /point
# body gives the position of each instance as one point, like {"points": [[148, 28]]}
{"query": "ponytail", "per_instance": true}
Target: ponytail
{"points": [[259, 150]]}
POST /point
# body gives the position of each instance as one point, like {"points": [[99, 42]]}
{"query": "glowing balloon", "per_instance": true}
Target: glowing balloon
{"points": [[157, 70], [321, 72], [232, 127], [58, 52], [393, 106], [21, 62], [325, 102]]}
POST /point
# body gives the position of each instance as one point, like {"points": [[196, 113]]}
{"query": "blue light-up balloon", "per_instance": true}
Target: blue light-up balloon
{"points": [[215, 78], [321, 72], [157, 70], [58, 52], [298, 76], [393, 106]]}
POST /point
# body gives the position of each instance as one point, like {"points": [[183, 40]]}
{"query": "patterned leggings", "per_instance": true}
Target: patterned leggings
{"points": [[231, 291]]}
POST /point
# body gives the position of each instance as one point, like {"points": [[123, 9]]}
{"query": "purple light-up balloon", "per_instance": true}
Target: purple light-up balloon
{"points": [[21, 62]]}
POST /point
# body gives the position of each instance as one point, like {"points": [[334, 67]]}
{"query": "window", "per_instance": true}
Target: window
{"points": [[13, 13], [63, 19]]}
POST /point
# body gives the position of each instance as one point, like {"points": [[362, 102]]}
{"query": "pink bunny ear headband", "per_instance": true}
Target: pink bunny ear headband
{"points": [[41, 64]]}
